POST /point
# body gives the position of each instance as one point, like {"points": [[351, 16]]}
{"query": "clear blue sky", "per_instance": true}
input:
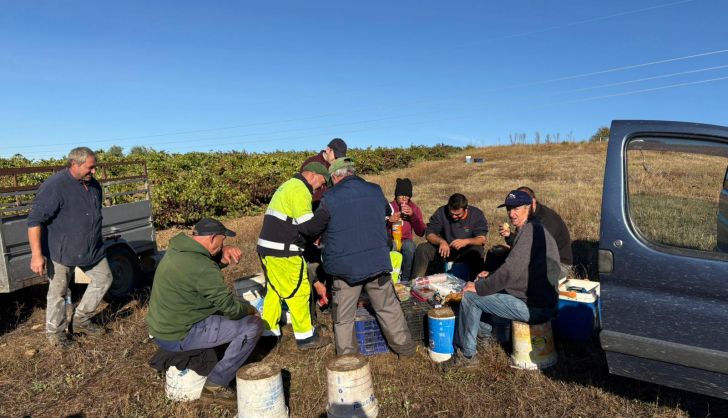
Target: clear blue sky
{"points": [[259, 76]]}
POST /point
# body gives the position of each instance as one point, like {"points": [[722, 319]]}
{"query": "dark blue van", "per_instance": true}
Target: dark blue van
{"points": [[663, 254]]}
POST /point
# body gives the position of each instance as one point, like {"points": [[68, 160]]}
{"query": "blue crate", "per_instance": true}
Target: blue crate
{"points": [[368, 334]]}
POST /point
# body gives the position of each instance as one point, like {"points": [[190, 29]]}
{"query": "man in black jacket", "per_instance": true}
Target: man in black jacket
{"points": [[351, 217], [67, 210]]}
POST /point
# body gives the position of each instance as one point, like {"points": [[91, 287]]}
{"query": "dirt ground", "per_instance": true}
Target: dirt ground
{"points": [[109, 376]]}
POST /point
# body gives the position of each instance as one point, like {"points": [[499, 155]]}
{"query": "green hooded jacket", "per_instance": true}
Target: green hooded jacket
{"points": [[188, 287]]}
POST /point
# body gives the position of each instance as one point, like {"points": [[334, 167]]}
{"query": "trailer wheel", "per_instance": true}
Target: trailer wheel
{"points": [[127, 274]]}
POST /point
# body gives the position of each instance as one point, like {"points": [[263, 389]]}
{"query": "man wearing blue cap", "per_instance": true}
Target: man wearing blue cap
{"points": [[524, 288]]}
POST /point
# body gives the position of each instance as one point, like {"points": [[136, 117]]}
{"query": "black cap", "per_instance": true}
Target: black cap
{"points": [[339, 147], [209, 226], [403, 188]]}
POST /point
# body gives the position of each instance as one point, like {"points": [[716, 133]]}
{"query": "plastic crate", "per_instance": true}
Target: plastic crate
{"points": [[415, 313], [368, 334]]}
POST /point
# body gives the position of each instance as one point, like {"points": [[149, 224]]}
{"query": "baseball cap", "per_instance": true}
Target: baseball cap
{"points": [[341, 163], [338, 146], [318, 168], [517, 198], [209, 226]]}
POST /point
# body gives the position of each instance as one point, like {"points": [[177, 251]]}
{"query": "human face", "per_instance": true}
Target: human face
{"points": [[458, 214], [402, 200], [329, 155], [518, 214], [317, 181], [84, 171], [216, 244]]}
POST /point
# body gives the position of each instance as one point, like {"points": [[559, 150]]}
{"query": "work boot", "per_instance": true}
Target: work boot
{"points": [[461, 362], [87, 327], [60, 340], [218, 393], [317, 341]]}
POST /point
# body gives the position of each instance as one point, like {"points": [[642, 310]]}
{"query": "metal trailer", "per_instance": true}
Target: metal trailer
{"points": [[127, 229]]}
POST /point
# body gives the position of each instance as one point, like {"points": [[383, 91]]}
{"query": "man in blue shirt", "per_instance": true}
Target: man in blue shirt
{"points": [[66, 215]]}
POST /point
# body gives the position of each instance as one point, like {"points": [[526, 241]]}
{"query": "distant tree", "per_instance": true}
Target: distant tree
{"points": [[537, 137], [115, 151], [140, 150], [602, 134]]}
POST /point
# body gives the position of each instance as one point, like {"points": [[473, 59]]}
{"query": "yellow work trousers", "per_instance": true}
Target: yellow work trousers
{"points": [[283, 274]]}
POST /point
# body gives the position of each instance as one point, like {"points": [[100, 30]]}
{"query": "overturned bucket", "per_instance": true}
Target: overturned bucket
{"points": [[183, 385], [260, 392], [441, 325], [533, 346], [350, 388]]}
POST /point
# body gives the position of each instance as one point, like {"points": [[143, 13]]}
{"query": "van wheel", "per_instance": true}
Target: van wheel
{"points": [[125, 272]]}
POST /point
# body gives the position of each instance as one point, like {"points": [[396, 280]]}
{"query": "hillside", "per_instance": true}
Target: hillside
{"points": [[110, 376]]}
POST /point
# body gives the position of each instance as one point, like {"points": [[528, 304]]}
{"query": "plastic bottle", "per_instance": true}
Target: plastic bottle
{"points": [[397, 234]]}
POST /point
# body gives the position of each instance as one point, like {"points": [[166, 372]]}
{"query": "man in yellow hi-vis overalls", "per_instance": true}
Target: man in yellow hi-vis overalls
{"points": [[280, 248]]}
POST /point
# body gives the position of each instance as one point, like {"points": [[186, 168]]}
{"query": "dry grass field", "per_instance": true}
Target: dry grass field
{"points": [[110, 376]]}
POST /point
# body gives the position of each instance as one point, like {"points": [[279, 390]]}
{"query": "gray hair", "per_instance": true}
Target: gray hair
{"points": [[79, 155], [344, 171]]}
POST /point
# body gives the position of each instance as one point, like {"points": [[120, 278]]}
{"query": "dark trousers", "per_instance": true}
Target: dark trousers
{"points": [[428, 260], [215, 330]]}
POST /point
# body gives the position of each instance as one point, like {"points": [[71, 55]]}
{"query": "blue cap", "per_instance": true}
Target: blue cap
{"points": [[517, 198]]}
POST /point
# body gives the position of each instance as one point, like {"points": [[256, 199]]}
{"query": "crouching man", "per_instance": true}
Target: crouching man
{"points": [[524, 288], [192, 309]]}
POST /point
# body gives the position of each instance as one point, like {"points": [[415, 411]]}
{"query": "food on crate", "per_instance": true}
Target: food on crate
{"points": [[437, 287], [403, 292], [453, 298]]}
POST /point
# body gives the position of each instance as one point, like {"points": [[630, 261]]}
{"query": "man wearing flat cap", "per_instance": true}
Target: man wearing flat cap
{"points": [[192, 309], [352, 218], [524, 288], [335, 149], [280, 248]]}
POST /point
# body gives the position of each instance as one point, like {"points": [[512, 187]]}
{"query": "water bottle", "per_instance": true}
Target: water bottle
{"points": [[68, 304]]}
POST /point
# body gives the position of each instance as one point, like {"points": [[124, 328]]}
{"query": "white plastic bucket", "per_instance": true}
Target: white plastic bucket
{"points": [[533, 346], [441, 325], [260, 392], [183, 385], [468, 159], [350, 388]]}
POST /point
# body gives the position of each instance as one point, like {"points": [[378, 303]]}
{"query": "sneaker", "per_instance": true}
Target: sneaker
{"points": [[317, 341], [88, 328], [459, 361], [218, 393], [60, 340]]}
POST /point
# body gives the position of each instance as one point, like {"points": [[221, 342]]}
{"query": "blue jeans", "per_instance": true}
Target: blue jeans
{"points": [[408, 258], [500, 305], [215, 330]]}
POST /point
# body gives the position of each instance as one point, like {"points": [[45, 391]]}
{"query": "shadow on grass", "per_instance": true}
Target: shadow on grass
{"points": [[584, 363], [17, 307]]}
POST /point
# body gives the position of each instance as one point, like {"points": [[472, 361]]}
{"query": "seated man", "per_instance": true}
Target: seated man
{"points": [[191, 308], [524, 288], [554, 225], [456, 232], [410, 215]]}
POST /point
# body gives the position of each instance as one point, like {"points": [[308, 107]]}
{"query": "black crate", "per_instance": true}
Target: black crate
{"points": [[415, 313]]}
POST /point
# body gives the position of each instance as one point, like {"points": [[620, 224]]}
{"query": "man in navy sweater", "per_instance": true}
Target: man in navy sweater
{"points": [[67, 210]]}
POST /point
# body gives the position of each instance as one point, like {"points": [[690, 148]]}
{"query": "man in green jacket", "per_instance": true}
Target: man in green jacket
{"points": [[191, 308]]}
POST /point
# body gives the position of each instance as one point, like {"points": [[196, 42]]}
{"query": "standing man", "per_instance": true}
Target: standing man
{"points": [[456, 232], [524, 288], [553, 224], [280, 248], [352, 217], [336, 149], [67, 214], [191, 308]]}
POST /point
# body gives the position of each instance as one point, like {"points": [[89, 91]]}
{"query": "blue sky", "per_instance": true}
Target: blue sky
{"points": [[259, 76]]}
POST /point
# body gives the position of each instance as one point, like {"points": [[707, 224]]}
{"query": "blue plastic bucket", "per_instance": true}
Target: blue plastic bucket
{"points": [[441, 325]]}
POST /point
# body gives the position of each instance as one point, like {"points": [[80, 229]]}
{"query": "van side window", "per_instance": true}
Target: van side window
{"points": [[676, 192]]}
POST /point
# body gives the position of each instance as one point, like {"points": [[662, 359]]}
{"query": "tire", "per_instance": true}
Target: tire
{"points": [[127, 275]]}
